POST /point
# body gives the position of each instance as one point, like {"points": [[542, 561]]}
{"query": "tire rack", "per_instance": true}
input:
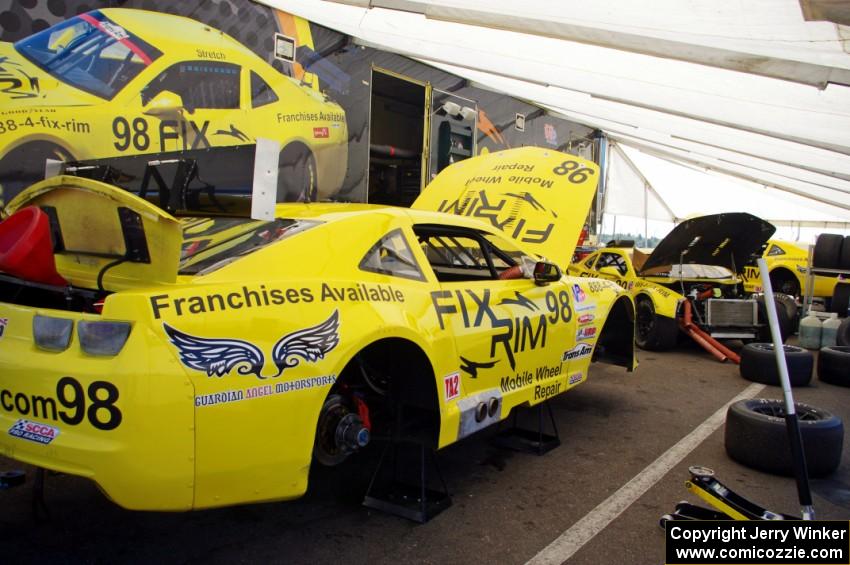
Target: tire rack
{"points": [[810, 282]]}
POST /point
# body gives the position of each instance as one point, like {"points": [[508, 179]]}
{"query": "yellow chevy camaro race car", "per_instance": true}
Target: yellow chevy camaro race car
{"points": [[204, 362], [692, 269], [787, 263], [117, 82]]}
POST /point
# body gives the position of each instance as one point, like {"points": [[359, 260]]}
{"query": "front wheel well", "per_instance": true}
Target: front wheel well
{"points": [[616, 343], [297, 173], [785, 281]]}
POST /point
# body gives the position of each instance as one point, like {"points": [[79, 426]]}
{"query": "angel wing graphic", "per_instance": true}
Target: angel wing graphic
{"points": [[216, 356], [310, 344]]}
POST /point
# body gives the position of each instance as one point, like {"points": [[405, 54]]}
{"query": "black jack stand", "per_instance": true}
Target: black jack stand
{"points": [[11, 479], [40, 513], [414, 502], [526, 440]]}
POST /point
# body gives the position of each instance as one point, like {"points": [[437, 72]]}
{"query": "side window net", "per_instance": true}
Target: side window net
{"points": [[612, 260], [200, 84], [464, 255]]}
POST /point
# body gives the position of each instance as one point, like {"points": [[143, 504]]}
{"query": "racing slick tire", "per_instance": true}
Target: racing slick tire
{"points": [[758, 364], [844, 257], [756, 436], [786, 326], [791, 309], [834, 365], [840, 298], [842, 337], [827, 251], [653, 332], [297, 178]]}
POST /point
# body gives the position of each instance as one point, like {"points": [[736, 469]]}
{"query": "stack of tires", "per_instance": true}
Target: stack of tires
{"points": [[756, 433], [832, 251]]}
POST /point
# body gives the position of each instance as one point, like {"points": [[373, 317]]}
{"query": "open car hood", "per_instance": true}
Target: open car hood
{"points": [[539, 197], [726, 240], [94, 224]]}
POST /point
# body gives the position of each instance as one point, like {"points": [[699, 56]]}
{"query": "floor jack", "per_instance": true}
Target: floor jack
{"points": [[728, 505]]}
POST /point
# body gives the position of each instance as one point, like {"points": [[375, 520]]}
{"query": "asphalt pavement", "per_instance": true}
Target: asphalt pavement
{"points": [[616, 431]]}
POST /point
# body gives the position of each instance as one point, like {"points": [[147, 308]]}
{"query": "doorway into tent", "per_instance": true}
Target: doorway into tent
{"points": [[396, 138]]}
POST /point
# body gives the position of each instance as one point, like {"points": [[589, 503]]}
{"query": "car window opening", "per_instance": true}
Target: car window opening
{"points": [[464, 255]]}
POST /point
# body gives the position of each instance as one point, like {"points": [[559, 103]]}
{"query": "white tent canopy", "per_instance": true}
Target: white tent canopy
{"points": [[748, 90]]}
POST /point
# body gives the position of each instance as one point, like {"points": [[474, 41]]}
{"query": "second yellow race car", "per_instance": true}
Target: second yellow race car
{"points": [[203, 362], [693, 268], [787, 263]]}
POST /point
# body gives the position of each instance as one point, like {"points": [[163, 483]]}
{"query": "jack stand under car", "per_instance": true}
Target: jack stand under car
{"points": [[10, 479], [728, 505]]}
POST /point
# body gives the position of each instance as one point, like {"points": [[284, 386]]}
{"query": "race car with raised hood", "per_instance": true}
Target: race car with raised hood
{"points": [[119, 82], [201, 362], [689, 280], [787, 263]]}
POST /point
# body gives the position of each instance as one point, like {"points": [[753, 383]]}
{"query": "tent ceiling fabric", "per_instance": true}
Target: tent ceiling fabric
{"points": [[749, 89]]}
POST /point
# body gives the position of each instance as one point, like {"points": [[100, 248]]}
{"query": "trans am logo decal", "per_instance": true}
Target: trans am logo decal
{"points": [[219, 356]]}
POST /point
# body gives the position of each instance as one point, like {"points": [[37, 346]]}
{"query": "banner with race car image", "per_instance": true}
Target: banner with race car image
{"points": [[168, 99]]}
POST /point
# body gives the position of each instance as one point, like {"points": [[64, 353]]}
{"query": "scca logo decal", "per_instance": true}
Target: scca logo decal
{"points": [[33, 431]]}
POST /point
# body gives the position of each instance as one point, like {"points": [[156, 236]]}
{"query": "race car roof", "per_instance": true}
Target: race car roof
{"points": [[157, 28], [725, 240]]}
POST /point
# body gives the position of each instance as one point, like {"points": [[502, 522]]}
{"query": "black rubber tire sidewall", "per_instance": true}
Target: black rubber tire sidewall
{"points": [[761, 442], [297, 176], [786, 327], [844, 257], [840, 298], [827, 251], [791, 310], [834, 365], [663, 333], [758, 364], [842, 335]]}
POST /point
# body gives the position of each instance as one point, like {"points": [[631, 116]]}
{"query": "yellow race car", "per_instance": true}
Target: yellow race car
{"points": [[203, 362], [787, 264], [693, 268], [117, 82]]}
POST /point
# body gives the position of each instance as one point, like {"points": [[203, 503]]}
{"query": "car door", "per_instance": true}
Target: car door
{"points": [[510, 333]]}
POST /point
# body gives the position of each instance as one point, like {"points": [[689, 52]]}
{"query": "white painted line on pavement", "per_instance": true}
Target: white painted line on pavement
{"points": [[598, 519]]}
